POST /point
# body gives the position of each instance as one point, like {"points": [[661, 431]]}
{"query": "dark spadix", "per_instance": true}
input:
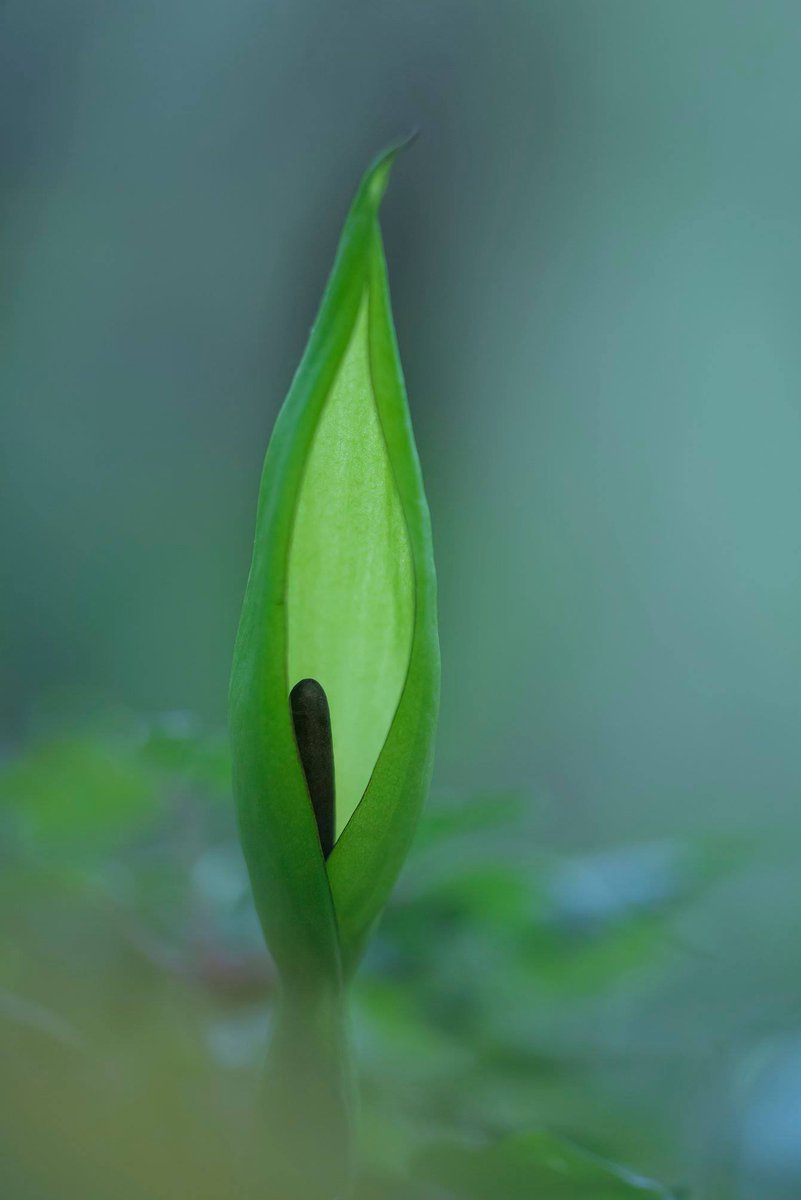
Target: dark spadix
{"points": [[311, 720]]}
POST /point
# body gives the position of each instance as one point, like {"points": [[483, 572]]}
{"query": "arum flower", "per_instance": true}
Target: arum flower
{"points": [[335, 681]]}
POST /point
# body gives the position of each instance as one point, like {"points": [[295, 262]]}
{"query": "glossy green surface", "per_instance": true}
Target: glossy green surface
{"points": [[341, 589]]}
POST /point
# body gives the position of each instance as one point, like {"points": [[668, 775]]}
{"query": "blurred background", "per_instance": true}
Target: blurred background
{"points": [[594, 249]]}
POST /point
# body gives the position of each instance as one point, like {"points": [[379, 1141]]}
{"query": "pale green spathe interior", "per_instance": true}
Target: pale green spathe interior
{"points": [[350, 592]]}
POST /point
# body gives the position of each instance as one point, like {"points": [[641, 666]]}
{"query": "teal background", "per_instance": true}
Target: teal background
{"points": [[594, 249], [595, 253]]}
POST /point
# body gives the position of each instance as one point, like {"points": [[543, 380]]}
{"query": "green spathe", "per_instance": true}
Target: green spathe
{"points": [[342, 590], [350, 609]]}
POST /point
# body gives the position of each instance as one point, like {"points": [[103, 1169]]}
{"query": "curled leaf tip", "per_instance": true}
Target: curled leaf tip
{"points": [[378, 175], [403, 143]]}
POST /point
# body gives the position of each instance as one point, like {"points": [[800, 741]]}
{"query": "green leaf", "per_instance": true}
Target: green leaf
{"points": [[341, 590], [77, 794], [533, 1166], [466, 815], [177, 745]]}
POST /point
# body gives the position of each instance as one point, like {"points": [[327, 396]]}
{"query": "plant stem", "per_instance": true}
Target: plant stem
{"points": [[309, 1096]]}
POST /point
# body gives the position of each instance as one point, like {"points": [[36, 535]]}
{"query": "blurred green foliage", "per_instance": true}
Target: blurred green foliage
{"points": [[535, 1165], [135, 992]]}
